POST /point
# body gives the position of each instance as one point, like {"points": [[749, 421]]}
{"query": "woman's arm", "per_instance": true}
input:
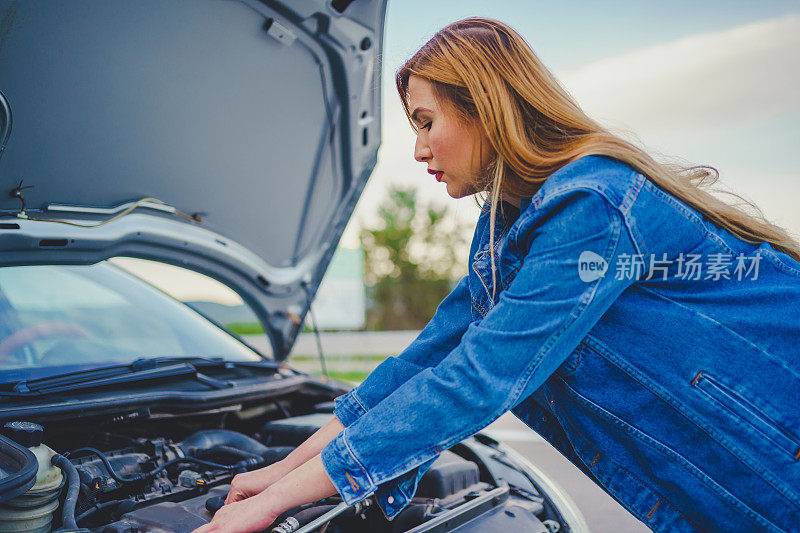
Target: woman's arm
{"points": [[537, 322]]}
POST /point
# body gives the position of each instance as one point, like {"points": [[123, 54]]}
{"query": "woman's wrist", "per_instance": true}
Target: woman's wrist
{"points": [[306, 483], [284, 466], [276, 499], [273, 500]]}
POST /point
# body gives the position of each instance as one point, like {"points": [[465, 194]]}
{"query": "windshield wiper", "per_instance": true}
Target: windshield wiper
{"points": [[142, 369]]}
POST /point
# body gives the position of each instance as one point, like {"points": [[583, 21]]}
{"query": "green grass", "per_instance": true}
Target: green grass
{"points": [[245, 328], [354, 358], [255, 328], [353, 376]]}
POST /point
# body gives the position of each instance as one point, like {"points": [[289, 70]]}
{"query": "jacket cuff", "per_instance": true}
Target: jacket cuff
{"points": [[345, 472], [348, 408], [353, 483], [394, 495]]}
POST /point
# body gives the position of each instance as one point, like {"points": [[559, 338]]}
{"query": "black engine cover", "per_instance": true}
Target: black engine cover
{"points": [[448, 475]]}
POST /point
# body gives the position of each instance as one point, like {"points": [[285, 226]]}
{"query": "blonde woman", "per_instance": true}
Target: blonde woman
{"points": [[648, 330]]}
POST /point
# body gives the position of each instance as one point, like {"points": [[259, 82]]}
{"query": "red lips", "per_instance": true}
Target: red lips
{"points": [[437, 173]]}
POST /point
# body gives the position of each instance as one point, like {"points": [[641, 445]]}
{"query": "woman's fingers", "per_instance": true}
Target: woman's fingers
{"points": [[240, 487], [234, 496], [246, 516], [249, 484]]}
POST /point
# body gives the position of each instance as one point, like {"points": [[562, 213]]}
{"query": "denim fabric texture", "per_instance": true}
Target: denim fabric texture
{"points": [[679, 395]]}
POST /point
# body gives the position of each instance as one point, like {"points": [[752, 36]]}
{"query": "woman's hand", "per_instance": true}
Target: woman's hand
{"points": [[246, 516], [305, 484], [249, 484]]}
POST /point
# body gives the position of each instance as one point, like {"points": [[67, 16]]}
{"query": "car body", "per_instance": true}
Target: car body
{"points": [[230, 138]]}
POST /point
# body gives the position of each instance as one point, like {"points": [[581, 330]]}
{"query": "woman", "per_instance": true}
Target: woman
{"points": [[646, 329]]}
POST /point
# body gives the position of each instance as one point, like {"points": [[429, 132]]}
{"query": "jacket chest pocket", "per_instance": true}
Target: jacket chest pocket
{"points": [[743, 411]]}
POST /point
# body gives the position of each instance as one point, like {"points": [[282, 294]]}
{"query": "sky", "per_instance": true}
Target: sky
{"points": [[713, 82]]}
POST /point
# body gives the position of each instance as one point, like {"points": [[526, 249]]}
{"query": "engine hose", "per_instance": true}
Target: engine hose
{"points": [[229, 450], [100, 506], [218, 438], [247, 463], [222, 437], [111, 471], [248, 460], [73, 488]]}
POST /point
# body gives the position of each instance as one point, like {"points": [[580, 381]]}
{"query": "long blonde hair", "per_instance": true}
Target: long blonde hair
{"points": [[488, 73]]}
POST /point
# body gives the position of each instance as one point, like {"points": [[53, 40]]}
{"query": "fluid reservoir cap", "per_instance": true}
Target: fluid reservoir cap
{"points": [[25, 434]]}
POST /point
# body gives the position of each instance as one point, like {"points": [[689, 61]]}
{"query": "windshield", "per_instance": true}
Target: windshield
{"points": [[58, 318]]}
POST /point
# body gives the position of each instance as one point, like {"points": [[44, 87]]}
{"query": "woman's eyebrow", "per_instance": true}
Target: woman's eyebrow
{"points": [[415, 114]]}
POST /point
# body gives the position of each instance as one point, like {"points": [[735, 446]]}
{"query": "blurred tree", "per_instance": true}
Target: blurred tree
{"points": [[411, 260]]}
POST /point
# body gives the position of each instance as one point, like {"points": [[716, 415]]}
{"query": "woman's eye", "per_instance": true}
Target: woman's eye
{"points": [[427, 126]]}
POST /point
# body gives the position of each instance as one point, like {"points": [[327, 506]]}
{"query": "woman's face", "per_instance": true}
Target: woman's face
{"points": [[456, 153]]}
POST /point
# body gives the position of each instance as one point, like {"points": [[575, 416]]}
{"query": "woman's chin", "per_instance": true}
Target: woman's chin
{"points": [[456, 191]]}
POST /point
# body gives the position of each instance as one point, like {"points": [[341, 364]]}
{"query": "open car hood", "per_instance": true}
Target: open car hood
{"points": [[230, 137]]}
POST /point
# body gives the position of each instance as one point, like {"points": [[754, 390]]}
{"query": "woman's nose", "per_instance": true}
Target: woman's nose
{"points": [[422, 152]]}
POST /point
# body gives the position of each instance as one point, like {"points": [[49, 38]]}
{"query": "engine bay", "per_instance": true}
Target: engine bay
{"points": [[156, 472]]}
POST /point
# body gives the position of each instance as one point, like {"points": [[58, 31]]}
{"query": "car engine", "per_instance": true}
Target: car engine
{"points": [[144, 473]]}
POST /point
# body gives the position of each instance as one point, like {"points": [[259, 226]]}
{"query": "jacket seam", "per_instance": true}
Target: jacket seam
{"points": [[483, 281], [689, 215], [358, 401], [356, 460], [555, 194], [636, 238], [480, 308], [572, 367], [632, 194], [656, 493], [510, 276], [483, 252], [778, 263]]}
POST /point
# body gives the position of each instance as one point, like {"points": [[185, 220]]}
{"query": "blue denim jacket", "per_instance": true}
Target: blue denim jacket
{"points": [[658, 352]]}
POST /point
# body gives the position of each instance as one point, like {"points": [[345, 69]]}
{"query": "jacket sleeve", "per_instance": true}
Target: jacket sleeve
{"points": [[434, 342], [536, 323]]}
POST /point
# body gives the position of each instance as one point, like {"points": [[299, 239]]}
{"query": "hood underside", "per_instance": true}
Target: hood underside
{"points": [[232, 138]]}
